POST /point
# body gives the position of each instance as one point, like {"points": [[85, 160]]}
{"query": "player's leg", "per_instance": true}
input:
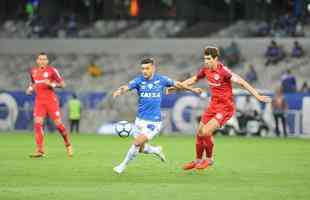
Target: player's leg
{"points": [[71, 125], [62, 130], [133, 151], [200, 143], [39, 113], [39, 137], [199, 147], [207, 130], [276, 118], [146, 131], [151, 130], [77, 125], [283, 120], [54, 113], [206, 133]]}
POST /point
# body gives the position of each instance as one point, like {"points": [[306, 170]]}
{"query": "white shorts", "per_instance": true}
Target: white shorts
{"points": [[148, 128]]}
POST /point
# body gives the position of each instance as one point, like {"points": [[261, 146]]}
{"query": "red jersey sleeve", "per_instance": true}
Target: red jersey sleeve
{"points": [[227, 73], [201, 74], [56, 75]]}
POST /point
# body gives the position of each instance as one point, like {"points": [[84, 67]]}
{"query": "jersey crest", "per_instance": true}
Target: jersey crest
{"points": [[150, 86], [45, 74]]}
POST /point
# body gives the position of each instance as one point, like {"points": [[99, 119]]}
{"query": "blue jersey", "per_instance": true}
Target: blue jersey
{"points": [[150, 94]]}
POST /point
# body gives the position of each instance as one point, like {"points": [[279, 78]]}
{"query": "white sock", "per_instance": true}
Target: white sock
{"points": [[131, 154], [150, 149]]}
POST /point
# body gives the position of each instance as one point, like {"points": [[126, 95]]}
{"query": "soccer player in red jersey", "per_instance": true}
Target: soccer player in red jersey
{"points": [[221, 107], [44, 79]]}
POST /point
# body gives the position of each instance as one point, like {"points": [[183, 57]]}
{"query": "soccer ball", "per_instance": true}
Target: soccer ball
{"points": [[123, 128]]}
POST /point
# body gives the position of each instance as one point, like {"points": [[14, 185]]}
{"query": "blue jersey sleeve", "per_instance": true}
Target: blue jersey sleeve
{"points": [[134, 83], [168, 82]]}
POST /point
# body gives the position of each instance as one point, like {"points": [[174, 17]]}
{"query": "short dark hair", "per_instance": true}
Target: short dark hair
{"points": [[42, 54], [212, 51], [147, 61]]}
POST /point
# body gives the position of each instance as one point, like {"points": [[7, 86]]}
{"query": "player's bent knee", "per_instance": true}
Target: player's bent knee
{"points": [[58, 122], [140, 140], [38, 120], [206, 131]]}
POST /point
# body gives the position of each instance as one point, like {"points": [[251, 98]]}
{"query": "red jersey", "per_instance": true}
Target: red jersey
{"points": [[220, 85], [39, 76]]}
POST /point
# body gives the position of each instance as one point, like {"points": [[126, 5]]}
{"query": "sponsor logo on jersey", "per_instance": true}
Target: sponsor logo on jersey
{"points": [[150, 94], [216, 76]]}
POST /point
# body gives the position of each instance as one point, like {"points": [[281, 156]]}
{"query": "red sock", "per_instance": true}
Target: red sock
{"points": [[209, 144], [39, 134], [199, 147], [62, 130]]}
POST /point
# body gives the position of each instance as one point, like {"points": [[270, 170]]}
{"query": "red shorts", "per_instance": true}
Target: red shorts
{"points": [[44, 108], [221, 114]]}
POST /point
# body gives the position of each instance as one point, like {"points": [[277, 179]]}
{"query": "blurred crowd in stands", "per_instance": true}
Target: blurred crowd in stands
{"points": [[275, 54], [286, 25]]}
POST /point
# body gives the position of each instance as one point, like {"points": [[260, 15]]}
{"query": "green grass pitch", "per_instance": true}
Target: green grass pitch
{"points": [[245, 168]]}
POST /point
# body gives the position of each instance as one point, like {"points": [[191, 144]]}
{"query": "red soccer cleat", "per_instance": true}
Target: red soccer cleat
{"points": [[202, 165], [190, 165]]}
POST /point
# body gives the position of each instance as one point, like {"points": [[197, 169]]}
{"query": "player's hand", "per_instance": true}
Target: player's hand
{"points": [[197, 90], [29, 90], [49, 83], [171, 90], [116, 93], [265, 99]]}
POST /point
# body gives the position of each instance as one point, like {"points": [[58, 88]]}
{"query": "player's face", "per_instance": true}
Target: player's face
{"points": [[209, 61], [147, 70], [42, 60]]}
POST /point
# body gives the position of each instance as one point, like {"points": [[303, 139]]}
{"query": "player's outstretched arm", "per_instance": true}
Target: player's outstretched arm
{"points": [[191, 81], [187, 82], [243, 83], [121, 90], [183, 86]]}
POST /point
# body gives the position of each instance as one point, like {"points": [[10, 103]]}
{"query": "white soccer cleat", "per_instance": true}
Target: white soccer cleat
{"points": [[119, 169], [161, 154], [210, 161]]}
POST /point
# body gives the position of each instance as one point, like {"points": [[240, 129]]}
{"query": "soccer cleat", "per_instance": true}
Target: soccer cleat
{"points": [[190, 165], [161, 154], [69, 151], [210, 161], [202, 165], [37, 154], [119, 169]]}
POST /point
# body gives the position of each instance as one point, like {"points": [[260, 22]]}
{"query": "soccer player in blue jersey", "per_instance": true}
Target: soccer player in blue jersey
{"points": [[150, 87]]}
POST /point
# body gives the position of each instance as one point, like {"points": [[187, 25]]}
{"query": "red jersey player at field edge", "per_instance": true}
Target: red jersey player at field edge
{"points": [[44, 79], [221, 107]]}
